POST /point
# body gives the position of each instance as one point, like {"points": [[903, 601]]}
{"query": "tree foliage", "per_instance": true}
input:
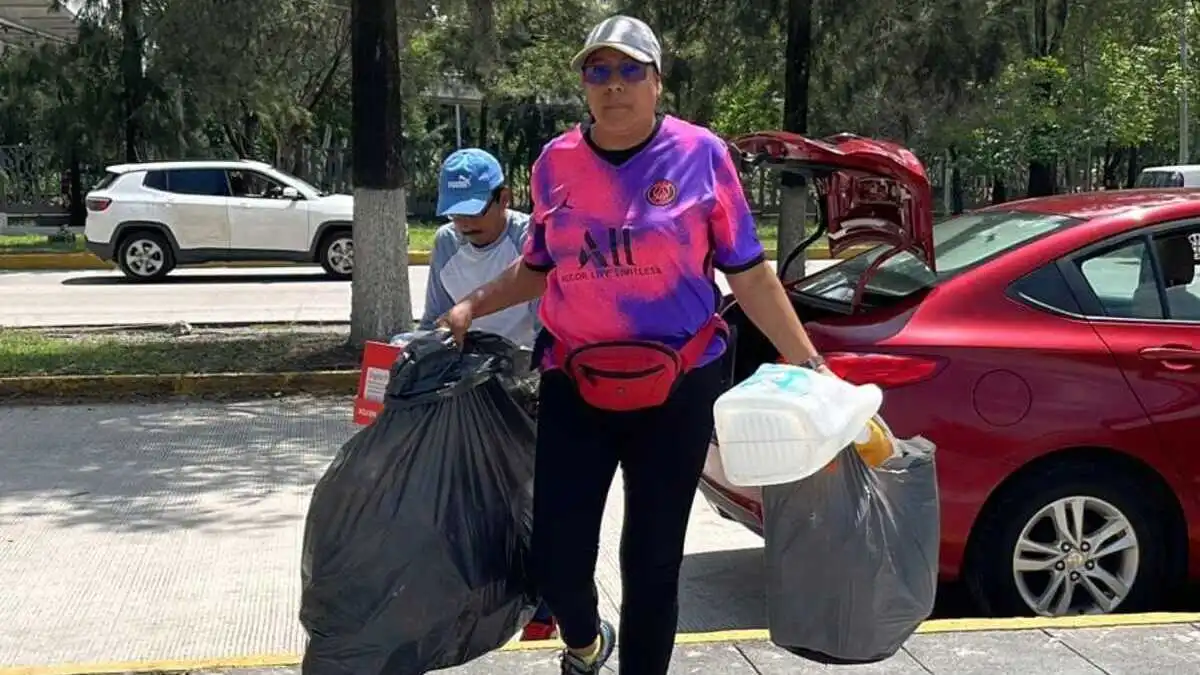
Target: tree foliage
{"points": [[1084, 92]]}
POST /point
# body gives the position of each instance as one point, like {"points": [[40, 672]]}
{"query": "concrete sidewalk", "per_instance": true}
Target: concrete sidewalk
{"points": [[172, 532], [1173, 649], [166, 537], [1063, 647]]}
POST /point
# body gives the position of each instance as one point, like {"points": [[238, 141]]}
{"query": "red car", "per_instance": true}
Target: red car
{"points": [[1049, 347]]}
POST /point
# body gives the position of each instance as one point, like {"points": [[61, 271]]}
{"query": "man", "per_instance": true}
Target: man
{"points": [[483, 238]]}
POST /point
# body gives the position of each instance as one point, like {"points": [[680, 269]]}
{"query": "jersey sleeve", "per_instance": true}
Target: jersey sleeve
{"points": [[736, 247], [535, 253]]}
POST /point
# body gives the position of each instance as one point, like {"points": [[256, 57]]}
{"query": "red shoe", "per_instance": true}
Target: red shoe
{"points": [[540, 630]]}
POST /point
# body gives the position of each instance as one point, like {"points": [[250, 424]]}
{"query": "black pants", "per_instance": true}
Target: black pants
{"points": [[661, 452]]}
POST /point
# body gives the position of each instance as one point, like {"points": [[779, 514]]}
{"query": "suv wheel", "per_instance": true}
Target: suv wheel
{"points": [[337, 254], [145, 256]]}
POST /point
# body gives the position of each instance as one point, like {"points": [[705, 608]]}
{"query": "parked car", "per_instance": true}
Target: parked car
{"points": [[1049, 347], [152, 217], [1176, 176]]}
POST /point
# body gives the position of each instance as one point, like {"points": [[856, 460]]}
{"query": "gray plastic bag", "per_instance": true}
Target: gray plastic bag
{"points": [[852, 556]]}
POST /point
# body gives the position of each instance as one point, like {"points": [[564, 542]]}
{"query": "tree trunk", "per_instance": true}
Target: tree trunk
{"points": [[483, 126], [381, 305], [1043, 178], [1132, 169], [78, 208], [957, 191], [999, 190], [132, 91], [793, 203]]}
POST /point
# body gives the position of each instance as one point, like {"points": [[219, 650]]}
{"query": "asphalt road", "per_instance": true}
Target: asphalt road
{"points": [[200, 295]]}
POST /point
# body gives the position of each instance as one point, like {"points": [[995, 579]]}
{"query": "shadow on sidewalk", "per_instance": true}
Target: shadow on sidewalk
{"points": [[234, 467], [722, 590]]}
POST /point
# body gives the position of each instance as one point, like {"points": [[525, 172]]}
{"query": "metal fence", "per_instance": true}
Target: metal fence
{"points": [[35, 192]]}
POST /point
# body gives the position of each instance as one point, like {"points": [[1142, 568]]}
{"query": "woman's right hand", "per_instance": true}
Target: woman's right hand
{"points": [[458, 321]]}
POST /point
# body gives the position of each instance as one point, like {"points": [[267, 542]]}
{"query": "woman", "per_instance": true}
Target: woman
{"points": [[632, 211]]}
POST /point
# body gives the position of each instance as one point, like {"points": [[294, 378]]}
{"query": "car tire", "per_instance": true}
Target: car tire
{"points": [[145, 256], [1108, 495], [336, 254]]}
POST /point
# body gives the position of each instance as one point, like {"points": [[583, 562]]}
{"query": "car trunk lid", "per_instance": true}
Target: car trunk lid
{"points": [[869, 192]]}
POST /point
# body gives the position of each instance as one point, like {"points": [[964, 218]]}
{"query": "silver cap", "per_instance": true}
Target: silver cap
{"points": [[630, 36]]}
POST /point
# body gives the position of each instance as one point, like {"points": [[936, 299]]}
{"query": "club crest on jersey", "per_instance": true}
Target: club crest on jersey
{"points": [[662, 193]]}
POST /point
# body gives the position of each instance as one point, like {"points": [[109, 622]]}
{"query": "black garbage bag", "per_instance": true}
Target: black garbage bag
{"points": [[416, 541], [852, 556]]}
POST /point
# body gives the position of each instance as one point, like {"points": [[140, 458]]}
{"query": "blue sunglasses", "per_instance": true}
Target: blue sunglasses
{"points": [[628, 71]]}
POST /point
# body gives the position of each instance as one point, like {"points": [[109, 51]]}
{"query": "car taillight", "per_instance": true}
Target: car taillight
{"points": [[883, 370], [98, 203]]}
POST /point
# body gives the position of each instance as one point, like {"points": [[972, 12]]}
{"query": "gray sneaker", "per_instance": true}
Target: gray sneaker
{"points": [[573, 665]]}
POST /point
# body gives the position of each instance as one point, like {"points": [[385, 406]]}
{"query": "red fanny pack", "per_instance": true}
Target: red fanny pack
{"points": [[633, 374]]}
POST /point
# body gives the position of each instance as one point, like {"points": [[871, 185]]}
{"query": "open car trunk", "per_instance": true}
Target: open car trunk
{"points": [[869, 192]]}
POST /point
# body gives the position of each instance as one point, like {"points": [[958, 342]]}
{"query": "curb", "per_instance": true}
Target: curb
{"points": [[263, 661], [83, 261], [117, 388]]}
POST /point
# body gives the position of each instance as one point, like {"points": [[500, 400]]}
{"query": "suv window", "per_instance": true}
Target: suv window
{"points": [[1128, 285], [1159, 179], [156, 180], [959, 244], [207, 182], [243, 183]]}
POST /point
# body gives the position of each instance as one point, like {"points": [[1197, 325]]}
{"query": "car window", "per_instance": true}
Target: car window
{"points": [[253, 184], [1123, 281], [1047, 287], [156, 180], [1159, 179], [1180, 264], [206, 182], [1127, 285], [959, 244]]}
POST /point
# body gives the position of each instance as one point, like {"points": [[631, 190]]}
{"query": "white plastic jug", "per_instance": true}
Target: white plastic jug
{"points": [[784, 423]]}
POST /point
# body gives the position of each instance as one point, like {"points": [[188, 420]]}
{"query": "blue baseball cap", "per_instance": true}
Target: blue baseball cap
{"points": [[469, 176]]}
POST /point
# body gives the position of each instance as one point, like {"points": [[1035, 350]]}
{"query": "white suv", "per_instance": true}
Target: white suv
{"points": [[151, 217]]}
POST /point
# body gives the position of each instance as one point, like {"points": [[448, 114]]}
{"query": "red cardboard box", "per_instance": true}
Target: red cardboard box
{"points": [[378, 358]]}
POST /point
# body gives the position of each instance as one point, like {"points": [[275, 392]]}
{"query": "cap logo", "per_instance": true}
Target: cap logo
{"points": [[460, 183], [662, 193]]}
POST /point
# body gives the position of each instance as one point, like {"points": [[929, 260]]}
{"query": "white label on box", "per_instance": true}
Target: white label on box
{"points": [[377, 383]]}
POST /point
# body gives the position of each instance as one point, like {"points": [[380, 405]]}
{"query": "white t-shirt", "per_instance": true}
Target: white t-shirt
{"points": [[457, 267]]}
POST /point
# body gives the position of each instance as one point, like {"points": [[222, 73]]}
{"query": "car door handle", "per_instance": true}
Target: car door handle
{"points": [[1173, 357]]}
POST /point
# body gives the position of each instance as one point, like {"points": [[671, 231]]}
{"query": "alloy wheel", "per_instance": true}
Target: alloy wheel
{"points": [[341, 255], [1077, 555], [144, 257]]}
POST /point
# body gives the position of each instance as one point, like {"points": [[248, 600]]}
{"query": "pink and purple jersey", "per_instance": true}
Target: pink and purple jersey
{"points": [[629, 250]]}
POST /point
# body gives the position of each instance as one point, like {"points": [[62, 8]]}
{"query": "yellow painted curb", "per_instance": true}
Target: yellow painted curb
{"points": [[120, 667], [930, 627], [716, 637], [64, 262], [118, 387]]}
